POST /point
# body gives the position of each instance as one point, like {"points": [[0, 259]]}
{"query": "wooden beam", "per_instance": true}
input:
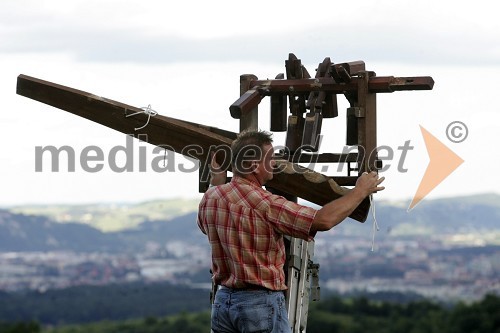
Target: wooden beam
{"points": [[249, 120], [377, 84], [162, 131], [187, 138]]}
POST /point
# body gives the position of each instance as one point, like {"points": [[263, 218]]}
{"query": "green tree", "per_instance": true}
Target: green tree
{"points": [[20, 327]]}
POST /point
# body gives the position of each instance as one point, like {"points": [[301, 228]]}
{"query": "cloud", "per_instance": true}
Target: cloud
{"points": [[421, 33], [380, 43]]}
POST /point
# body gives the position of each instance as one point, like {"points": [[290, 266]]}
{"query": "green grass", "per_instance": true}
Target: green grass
{"points": [[184, 322]]}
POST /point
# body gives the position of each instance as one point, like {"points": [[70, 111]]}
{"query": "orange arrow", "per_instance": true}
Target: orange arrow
{"points": [[442, 162]]}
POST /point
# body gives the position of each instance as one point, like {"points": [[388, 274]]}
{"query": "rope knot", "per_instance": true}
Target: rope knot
{"points": [[146, 110]]}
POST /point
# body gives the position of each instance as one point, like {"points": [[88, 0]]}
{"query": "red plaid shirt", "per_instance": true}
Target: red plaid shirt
{"points": [[245, 225]]}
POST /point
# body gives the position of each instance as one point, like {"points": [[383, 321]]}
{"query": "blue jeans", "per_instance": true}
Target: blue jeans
{"points": [[246, 311]]}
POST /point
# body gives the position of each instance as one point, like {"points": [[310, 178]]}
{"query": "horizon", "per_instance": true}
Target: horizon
{"points": [[190, 199]]}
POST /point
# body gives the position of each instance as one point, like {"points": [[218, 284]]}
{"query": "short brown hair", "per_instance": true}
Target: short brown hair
{"points": [[247, 147]]}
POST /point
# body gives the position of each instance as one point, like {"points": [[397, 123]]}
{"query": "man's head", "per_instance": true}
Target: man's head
{"points": [[253, 155]]}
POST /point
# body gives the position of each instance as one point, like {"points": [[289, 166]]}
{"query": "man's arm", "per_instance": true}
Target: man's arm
{"points": [[337, 210]]}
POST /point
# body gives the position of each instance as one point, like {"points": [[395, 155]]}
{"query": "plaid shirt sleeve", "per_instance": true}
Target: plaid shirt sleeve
{"points": [[290, 218]]}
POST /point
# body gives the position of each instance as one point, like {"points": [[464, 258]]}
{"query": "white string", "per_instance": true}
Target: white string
{"points": [[146, 110], [375, 223]]}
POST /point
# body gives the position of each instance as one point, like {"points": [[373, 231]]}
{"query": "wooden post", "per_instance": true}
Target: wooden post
{"points": [[248, 120], [367, 124]]}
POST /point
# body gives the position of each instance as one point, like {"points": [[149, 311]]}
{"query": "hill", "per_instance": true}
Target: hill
{"points": [[443, 249], [21, 233], [176, 220], [477, 214], [111, 216]]}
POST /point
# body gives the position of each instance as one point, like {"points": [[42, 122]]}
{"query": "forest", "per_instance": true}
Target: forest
{"points": [[334, 314]]}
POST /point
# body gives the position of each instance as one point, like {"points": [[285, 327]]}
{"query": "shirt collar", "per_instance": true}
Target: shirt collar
{"points": [[244, 181]]}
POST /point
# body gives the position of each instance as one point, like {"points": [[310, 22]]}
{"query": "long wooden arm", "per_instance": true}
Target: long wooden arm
{"points": [[187, 138]]}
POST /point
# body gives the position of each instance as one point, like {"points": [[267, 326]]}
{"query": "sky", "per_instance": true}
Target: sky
{"points": [[185, 59]]}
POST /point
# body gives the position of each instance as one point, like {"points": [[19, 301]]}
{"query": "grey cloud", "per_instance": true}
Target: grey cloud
{"points": [[372, 44]]}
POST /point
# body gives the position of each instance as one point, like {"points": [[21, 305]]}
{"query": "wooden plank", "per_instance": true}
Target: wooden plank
{"points": [[258, 89], [249, 120], [297, 104], [351, 68], [378, 84], [186, 138], [278, 110], [367, 124], [383, 84], [162, 131]]}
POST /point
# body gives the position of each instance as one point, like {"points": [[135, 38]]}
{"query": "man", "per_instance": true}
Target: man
{"points": [[245, 225]]}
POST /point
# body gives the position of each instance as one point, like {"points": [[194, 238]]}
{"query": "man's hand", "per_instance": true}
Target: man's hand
{"points": [[368, 183], [337, 210]]}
